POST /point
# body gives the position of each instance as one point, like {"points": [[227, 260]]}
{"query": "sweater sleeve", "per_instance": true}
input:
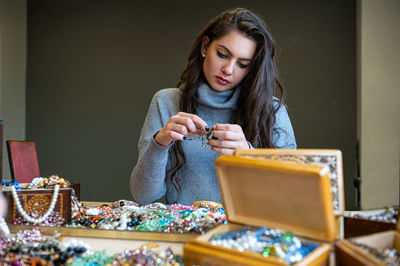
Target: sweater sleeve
{"points": [[147, 181], [283, 135]]}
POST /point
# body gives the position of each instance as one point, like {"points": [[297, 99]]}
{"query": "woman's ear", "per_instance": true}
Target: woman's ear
{"points": [[205, 41]]}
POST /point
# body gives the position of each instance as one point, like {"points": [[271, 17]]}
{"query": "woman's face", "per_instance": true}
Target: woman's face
{"points": [[227, 60]]}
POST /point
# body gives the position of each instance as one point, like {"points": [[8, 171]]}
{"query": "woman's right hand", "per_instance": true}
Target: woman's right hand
{"points": [[179, 126]]}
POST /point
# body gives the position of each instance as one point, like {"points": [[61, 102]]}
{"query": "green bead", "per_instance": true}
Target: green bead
{"points": [[266, 252], [288, 237]]}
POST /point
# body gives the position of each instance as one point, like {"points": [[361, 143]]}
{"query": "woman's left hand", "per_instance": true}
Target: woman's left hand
{"points": [[227, 138]]}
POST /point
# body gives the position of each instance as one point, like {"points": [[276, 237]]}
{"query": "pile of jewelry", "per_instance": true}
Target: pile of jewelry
{"points": [[125, 215], [48, 182], [155, 217], [149, 254], [387, 256], [268, 242], [102, 257], [51, 182], [30, 247], [389, 214]]}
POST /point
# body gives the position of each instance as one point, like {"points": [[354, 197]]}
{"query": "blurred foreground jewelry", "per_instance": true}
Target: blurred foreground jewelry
{"points": [[204, 136], [387, 256], [4, 227]]}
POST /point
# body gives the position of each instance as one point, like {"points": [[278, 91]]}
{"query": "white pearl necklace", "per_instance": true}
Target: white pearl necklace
{"points": [[29, 218], [4, 226]]}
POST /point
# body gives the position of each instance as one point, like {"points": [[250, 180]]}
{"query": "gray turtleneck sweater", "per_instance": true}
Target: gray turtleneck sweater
{"points": [[198, 178]]}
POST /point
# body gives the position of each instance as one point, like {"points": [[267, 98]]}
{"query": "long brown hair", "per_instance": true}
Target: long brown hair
{"points": [[256, 105]]}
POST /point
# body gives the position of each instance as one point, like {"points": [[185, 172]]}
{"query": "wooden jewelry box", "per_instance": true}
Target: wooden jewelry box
{"points": [[349, 253], [38, 201], [279, 195], [366, 222], [359, 226], [332, 159]]}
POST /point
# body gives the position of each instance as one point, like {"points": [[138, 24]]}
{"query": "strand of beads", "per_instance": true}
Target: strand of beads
{"points": [[29, 218], [4, 227]]}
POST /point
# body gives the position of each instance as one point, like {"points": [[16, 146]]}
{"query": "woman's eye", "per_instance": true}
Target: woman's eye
{"points": [[221, 54], [243, 65]]}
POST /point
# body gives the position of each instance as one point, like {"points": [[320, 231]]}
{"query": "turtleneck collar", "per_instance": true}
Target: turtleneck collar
{"points": [[218, 99]]}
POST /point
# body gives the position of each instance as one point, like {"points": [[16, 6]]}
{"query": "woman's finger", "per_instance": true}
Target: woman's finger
{"points": [[223, 150], [227, 135], [185, 121], [223, 143], [197, 120], [228, 127]]}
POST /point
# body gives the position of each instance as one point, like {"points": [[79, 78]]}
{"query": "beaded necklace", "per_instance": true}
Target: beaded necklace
{"points": [[4, 227], [32, 219]]}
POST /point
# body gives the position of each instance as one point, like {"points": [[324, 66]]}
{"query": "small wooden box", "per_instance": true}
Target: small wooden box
{"points": [[38, 201], [348, 253], [284, 195], [359, 226]]}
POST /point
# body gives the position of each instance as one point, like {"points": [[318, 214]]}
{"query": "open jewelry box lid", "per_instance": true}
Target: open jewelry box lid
{"points": [[323, 157], [290, 196]]}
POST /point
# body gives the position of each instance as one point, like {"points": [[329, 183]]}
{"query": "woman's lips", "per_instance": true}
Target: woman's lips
{"points": [[222, 81]]}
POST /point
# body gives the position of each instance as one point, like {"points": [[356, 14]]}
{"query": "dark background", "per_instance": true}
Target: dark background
{"points": [[93, 67]]}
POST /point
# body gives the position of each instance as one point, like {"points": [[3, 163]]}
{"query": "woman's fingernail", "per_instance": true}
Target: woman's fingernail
{"points": [[207, 128]]}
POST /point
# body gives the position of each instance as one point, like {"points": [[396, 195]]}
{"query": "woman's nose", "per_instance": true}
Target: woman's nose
{"points": [[228, 68]]}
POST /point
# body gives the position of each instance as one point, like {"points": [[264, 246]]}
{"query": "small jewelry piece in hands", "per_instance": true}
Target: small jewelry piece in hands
{"points": [[204, 136]]}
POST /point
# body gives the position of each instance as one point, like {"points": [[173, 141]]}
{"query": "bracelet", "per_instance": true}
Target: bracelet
{"points": [[207, 204]]}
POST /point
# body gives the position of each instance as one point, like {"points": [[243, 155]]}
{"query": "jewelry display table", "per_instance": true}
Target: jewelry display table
{"points": [[114, 240]]}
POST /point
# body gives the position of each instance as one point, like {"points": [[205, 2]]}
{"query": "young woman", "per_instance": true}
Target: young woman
{"points": [[225, 94]]}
